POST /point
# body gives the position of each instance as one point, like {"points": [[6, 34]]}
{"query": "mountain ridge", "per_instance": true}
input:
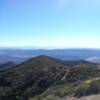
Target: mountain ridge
{"points": [[37, 74]]}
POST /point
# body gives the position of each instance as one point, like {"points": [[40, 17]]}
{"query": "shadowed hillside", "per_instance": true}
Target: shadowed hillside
{"points": [[7, 66], [38, 74]]}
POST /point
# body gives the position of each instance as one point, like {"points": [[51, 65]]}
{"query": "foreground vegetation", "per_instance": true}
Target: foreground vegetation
{"points": [[45, 78], [60, 91]]}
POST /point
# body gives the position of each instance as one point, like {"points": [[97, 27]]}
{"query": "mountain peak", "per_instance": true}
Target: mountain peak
{"points": [[43, 56]]}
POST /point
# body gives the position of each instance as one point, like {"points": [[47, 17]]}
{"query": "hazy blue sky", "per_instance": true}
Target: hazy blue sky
{"points": [[50, 23]]}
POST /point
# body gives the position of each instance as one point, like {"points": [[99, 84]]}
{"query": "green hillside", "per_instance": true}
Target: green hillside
{"points": [[44, 76]]}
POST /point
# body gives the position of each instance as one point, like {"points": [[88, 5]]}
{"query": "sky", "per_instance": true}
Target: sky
{"points": [[50, 23]]}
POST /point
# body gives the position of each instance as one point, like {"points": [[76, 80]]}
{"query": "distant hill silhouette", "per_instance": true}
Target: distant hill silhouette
{"points": [[7, 66]]}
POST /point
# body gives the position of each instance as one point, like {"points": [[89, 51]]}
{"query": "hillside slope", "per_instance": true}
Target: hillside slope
{"points": [[31, 77], [38, 74], [7, 66]]}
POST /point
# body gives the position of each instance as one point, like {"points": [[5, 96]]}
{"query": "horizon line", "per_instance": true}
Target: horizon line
{"points": [[44, 47]]}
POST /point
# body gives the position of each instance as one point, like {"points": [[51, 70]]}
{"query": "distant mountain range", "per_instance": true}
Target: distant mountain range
{"points": [[20, 55]]}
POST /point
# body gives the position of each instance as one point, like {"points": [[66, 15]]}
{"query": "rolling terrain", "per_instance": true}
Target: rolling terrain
{"points": [[44, 77]]}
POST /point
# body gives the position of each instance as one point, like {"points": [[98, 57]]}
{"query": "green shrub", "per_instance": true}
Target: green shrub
{"points": [[82, 90], [95, 87]]}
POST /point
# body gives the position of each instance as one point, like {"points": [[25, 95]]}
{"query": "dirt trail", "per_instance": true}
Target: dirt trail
{"points": [[93, 97], [91, 80]]}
